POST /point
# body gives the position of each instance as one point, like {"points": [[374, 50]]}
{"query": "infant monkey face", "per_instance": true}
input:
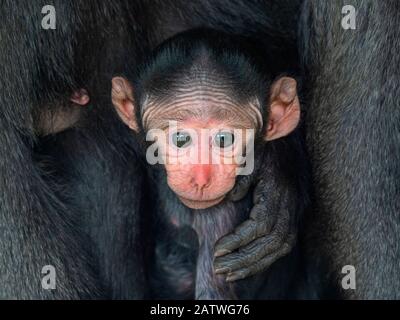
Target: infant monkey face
{"points": [[203, 154], [202, 160]]}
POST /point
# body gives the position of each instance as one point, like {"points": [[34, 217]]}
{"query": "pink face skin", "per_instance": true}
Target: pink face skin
{"points": [[205, 182]]}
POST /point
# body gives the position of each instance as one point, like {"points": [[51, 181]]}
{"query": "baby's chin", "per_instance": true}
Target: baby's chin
{"points": [[201, 204]]}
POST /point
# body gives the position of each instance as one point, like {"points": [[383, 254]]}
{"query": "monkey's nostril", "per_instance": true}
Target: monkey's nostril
{"points": [[201, 185], [201, 177]]}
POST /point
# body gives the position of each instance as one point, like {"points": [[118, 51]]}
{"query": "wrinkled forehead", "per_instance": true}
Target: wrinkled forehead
{"points": [[203, 103]]}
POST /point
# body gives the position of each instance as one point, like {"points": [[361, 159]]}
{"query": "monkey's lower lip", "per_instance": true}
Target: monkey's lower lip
{"points": [[201, 204]]}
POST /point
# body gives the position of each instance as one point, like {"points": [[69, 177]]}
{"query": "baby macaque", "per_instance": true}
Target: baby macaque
{"points": [[217, 117]]}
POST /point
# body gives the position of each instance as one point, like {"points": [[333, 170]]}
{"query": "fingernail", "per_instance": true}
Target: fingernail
{"points": [[232, 277], [222, 270], [221, 252]]}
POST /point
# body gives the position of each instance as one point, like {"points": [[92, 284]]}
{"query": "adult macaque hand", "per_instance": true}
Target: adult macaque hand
{"points": [[269, 234]]}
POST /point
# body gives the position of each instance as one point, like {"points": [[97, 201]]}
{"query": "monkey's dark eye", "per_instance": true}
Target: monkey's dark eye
{"points": [[181, 139], [224, 139]]}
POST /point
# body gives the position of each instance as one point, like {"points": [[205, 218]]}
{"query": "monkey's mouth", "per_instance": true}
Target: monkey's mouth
{"points": [[200, 204]]}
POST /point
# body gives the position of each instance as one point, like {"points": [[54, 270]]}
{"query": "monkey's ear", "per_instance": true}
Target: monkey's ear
{"points": [[80, 97], [284, 113], [123, 100]]}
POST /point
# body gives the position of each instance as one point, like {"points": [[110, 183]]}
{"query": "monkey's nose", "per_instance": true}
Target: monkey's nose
{"points": [[201, 176]]}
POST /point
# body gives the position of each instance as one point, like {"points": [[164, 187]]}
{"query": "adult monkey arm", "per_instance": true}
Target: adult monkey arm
{"points": [[40, 70], [353, 125], [35, 226]]}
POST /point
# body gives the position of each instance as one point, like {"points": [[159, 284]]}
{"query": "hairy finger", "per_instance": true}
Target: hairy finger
{"points": [[242, 235], [249, 255], [260, 266]]}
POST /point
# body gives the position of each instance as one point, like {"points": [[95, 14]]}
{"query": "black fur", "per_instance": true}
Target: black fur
{"points": [[184, 244], [41, 68], [353, 135], [355, 155], [39, 71]]}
